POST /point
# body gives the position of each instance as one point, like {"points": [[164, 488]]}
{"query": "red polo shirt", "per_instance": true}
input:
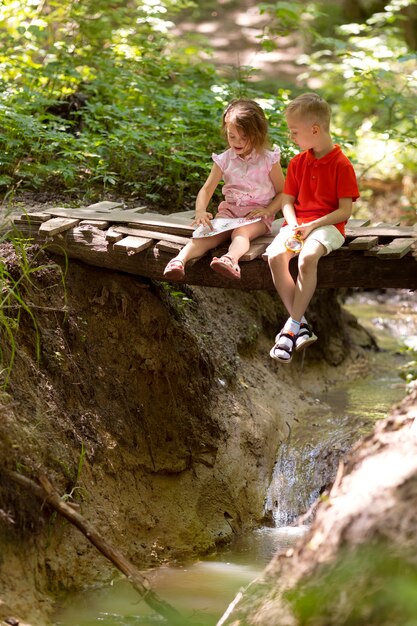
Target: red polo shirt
{"points": [[318, 184]]}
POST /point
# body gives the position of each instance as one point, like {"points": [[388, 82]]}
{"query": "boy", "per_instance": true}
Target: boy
{"points": [[319, 189]]}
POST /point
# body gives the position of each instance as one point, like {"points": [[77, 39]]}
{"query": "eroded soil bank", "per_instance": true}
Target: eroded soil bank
{"points": [[159, 412]]}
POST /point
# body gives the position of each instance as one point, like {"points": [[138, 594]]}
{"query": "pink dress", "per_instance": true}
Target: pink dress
{"points": [[247, 184]]}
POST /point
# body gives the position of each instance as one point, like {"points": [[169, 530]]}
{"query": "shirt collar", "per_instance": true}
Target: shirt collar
{"points": [[327, 157], [253, 156]]}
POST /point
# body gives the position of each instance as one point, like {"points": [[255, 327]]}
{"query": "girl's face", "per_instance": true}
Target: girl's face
{"points": [[238, 141], [303, 133]]}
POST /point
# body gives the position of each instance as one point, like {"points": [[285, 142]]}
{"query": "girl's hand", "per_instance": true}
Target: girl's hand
{"points": [[261, 212], [203, 219]]}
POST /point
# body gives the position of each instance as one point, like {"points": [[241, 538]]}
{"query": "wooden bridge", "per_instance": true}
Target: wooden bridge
{"points": [[139, 242]]}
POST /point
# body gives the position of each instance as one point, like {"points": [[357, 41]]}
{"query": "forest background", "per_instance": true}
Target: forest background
{"points": [[108, 98]]}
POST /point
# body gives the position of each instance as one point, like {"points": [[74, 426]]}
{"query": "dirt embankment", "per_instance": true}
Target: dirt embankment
{"points": [[159, 412]]}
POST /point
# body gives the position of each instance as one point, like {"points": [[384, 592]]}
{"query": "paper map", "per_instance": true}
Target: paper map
{"points": [[222, 224]]}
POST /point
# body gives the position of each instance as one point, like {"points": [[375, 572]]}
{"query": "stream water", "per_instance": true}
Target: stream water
{"points": [[203, 590]]}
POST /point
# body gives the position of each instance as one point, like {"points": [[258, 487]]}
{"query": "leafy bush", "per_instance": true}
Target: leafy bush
{"points": [[367, 70], [147, 113], [21, 263]]}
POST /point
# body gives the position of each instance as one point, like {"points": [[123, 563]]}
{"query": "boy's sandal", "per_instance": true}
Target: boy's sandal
{"points": [[305, 337], [174, 270], [225, 266], [283, 347]]}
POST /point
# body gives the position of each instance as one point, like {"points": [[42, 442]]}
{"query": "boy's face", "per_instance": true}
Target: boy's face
{"points": [[302, 132]]}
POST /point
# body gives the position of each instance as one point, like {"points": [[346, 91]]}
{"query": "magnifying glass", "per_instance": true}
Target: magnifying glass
{"points": [[294, 243]]}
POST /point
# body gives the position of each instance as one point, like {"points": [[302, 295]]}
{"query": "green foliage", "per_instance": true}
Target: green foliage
{"points": [[408, 372], [107, 103], [95, 100], [16, 280], [370, 586], [176, 299], [368, 71]]}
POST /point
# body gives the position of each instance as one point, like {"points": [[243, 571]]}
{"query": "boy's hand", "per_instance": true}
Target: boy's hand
{"points": [[303, 230], [203, 219]]}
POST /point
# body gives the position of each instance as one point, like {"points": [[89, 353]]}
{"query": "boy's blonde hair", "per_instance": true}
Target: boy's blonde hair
{"points": [[312, 107], [249, 118]]}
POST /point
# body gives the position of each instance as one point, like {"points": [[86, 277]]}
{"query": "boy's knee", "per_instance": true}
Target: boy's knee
{"points": [[308, 261], [275, 257]]}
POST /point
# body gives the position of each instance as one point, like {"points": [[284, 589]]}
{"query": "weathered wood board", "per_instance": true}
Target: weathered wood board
{"points": [[142, 243], [396, 249], [56, 225], [139, 232], [132, 245], [363, 243]]}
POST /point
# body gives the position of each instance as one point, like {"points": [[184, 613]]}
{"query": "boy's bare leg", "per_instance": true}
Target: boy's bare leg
{"points": [[282, 279], [307, 277], [241, 238], [295, 297]]}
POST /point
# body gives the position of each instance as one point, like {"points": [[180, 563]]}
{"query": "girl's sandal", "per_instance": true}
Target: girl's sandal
{"points": [[174, 270], [283, 347], [225, 266]]}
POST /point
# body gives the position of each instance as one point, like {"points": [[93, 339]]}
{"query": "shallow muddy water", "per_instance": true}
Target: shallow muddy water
{"points": [[203, 590]]}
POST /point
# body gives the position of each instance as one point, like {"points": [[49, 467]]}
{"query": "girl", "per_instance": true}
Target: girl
{"points": [[253, 182]]}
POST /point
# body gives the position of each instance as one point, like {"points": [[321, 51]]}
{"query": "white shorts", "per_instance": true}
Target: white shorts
{"points": [[329, 236]]}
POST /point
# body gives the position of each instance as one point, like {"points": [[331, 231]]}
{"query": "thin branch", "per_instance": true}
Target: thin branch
{"points": [[47, 493]]}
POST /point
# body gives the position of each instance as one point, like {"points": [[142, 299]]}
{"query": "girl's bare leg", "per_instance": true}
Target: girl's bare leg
{"points": [[198, 247], [241, 238]]}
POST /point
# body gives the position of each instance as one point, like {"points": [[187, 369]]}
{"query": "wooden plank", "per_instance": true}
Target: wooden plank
{"points": [[56, 225], [112, 236], [387, 232], [181, 225], [162, 227], [150, 221], [101, 224], [104, 206], [137, 209], [139, 232], [255, 250], [373, 251], [387, 224], [81, 213], [342, 268], [357, 223], [183, 214], [132, 245], [169, 246], [396, 249], [363, 243], [37, 217], [183, 217]]}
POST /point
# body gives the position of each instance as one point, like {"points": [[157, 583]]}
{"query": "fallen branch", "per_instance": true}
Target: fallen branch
{"points": [[47, 493]]}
